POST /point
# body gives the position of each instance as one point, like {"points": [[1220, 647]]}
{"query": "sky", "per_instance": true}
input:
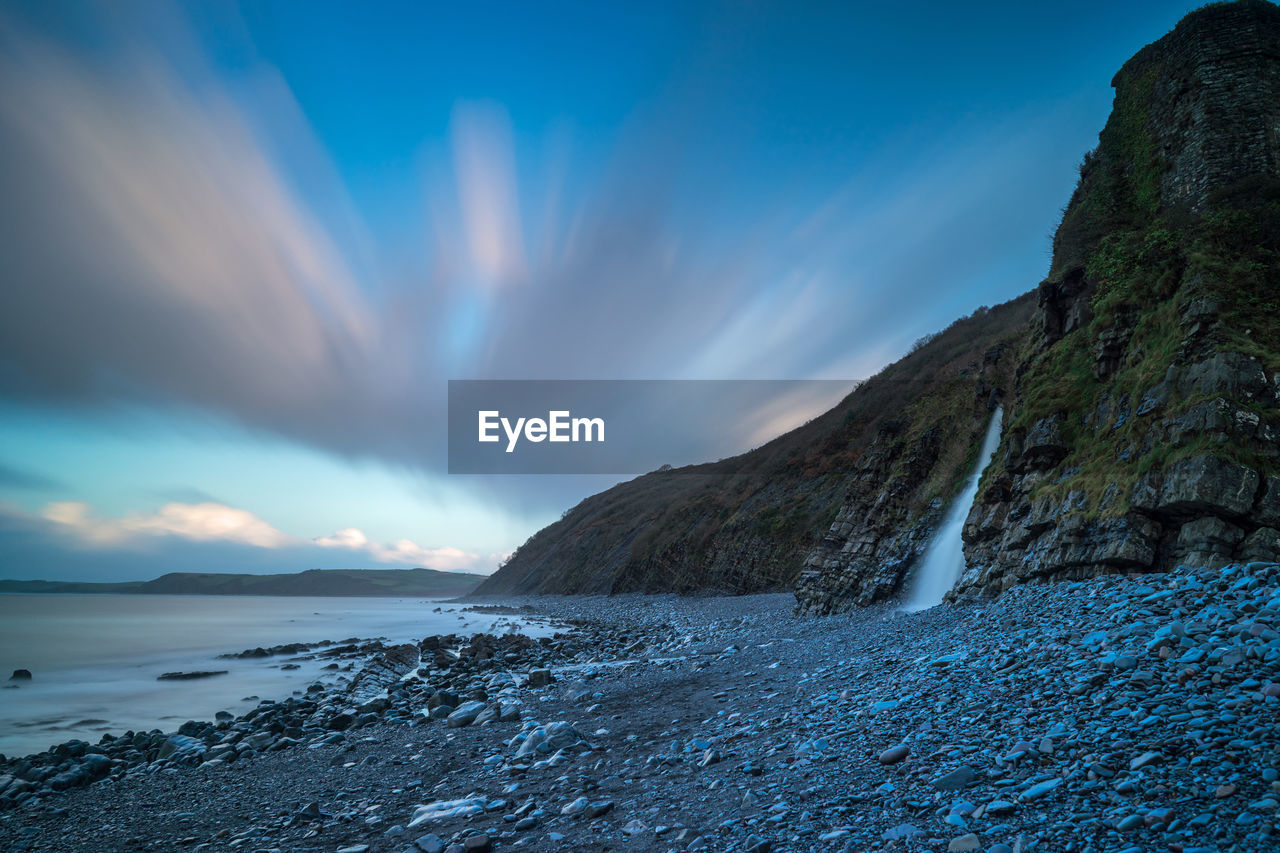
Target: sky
{"points": [[247, 245]]}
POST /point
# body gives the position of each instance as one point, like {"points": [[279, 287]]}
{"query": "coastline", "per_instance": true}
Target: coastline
{"points": [[97, 660], [1106, 714]]}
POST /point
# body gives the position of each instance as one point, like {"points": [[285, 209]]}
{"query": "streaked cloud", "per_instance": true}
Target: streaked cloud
{"points": [[484, 163], [75, 522], [180, 265], [177, 242]]}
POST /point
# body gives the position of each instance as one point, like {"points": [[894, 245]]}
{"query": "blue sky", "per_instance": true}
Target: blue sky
{"points": [[248, 245]]}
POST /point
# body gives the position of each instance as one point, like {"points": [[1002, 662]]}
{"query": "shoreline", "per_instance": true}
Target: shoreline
{"points": [[103, 677], [1116, 713]]}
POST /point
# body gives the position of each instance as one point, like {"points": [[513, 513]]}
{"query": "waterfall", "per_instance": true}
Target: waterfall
{"points": [[944, 561]]}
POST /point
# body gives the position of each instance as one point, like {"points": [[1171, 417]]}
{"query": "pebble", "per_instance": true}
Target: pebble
{"points": [[1108, 734]]}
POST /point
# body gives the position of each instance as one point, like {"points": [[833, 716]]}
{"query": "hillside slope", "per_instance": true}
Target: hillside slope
{"points": [[744, 525]]}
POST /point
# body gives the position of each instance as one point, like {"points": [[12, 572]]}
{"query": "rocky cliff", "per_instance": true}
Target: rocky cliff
{"points": [[1141, 388], [1143, 423]]}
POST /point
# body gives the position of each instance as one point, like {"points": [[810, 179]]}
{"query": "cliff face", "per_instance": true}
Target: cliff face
{"points": [[1146, 430], [1141, 390], [1142, 428]]}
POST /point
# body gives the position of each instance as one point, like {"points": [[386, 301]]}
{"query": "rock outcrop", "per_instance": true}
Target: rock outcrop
{"points": [[1155, 370], [1143, 428]]}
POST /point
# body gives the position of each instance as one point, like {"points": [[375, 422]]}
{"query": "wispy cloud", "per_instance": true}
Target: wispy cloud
{"points": [[206, 523], [159, 253], [406, 551]]}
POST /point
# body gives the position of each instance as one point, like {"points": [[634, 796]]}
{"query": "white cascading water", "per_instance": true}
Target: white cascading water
{"points": [[944, 561]]}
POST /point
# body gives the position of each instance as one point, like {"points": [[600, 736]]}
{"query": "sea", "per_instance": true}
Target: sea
{"points": [[95, 658]]}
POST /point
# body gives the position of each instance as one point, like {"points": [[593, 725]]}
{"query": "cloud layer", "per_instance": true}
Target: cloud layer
{"points": [[73, 525], [178, 243], [165, 253]]}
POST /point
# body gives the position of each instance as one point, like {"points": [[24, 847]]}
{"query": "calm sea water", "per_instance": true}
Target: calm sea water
{"points": [[95, 658]]}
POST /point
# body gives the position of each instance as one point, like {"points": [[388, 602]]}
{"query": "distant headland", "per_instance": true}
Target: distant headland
{"points": [[335, 582]]}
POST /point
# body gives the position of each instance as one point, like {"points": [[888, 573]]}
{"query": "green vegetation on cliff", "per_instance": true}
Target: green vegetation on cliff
{"points": [[1144, 427]]}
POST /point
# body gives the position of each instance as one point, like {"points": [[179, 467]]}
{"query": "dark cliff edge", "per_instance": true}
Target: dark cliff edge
{"points": [[1142, 430], [1140, 381], [1147, 425]]}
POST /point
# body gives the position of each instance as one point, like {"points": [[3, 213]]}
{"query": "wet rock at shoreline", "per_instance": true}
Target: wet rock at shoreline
{"points": [[190, 676]]}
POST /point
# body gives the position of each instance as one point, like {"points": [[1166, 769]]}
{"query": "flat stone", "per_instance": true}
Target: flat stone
{"points": [[1035, 792], [1145, 760], [963, 843], [465, 714], [955, 780], [430, 843]]}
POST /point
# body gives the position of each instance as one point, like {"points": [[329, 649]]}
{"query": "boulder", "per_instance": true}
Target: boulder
{"points": [[181, 749], [465, 714], [443, 697], [382, 672], [1262, 545]]}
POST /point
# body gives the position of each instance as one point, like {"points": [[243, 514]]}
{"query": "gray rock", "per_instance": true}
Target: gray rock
{"points": [[465, 714], [443, 697], [1208, 485], [634, 827], [190, 676], [955, 780], [181, 749], [1040, 790], [576, 807]]}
